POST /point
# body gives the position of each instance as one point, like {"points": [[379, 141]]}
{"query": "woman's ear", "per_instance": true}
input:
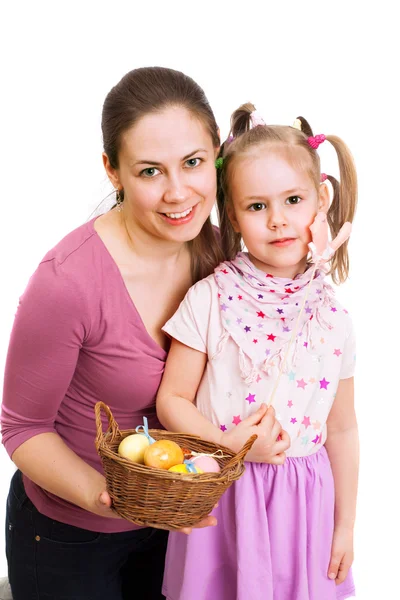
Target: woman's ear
{"points": [[111, 172], [324, 198]]}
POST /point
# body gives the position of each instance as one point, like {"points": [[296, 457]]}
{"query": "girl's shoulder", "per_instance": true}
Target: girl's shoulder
{"points": [[202, 294]]}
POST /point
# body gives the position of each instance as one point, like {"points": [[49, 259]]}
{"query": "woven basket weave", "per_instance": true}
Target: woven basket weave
{"points": [[157, 498]]}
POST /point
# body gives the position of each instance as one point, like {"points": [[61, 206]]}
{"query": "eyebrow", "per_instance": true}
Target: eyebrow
{"points": [[157, 164], [292, 192]]}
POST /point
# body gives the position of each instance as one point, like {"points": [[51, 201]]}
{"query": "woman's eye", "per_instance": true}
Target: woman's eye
{"points": [[193, 162], [149, 172], [293, 200], [257, 206]]}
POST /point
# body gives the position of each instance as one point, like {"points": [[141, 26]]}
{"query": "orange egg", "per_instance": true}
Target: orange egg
{"points": [[163, 454]]}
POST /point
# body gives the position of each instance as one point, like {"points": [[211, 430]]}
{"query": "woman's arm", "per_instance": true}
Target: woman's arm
{"points": [[177, 412], [48, 461], [48, 332], [343, 450]]}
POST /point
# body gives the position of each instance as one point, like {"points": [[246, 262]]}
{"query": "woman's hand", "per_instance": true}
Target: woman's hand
{"points": [[209, 521], [102, 506], [104, 510], [271, 443]]}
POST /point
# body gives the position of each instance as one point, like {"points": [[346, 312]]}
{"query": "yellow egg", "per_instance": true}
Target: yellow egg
{"points": [[183, 469], [134, 447]]}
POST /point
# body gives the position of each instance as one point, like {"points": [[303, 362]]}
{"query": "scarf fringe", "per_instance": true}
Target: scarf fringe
{"points": [[247, 371], [221, 344]]}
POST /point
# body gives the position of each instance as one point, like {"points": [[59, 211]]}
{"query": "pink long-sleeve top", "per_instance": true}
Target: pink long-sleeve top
{"points": [[77, 339]]}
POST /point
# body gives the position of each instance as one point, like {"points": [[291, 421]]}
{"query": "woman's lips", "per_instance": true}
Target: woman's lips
{"points": [[180, 220]]}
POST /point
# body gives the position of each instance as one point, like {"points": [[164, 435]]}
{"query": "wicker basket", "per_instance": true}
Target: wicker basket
{"points": [[156, 498]]}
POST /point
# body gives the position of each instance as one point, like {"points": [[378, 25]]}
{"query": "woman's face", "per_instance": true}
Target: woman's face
{"points": [[167, 171]]}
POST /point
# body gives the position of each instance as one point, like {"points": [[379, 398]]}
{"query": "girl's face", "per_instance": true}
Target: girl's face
{"points": [[273, 206], [167, 171]]}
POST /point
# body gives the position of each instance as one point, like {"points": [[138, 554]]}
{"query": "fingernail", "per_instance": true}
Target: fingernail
{"points": [[332, 576]]}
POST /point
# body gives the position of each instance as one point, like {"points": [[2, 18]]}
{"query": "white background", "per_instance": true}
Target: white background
{"points": [[334, 63]]}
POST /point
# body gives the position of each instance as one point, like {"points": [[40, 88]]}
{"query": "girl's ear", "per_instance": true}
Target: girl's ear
{"points": [[324, 198], [232, 217]]}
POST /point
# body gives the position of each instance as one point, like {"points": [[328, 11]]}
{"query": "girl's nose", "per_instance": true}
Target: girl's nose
{"points": [[276, 217]]}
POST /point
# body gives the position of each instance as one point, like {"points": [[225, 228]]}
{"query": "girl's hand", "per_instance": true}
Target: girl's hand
{"points": [[267, 448], [342, 554]]}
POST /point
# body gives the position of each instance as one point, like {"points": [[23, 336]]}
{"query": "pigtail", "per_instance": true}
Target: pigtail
{"points": [[305, 127], [343, 205], [240, 119]]}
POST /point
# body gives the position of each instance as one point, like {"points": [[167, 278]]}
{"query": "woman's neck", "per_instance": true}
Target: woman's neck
{"points": [[132, 245]]}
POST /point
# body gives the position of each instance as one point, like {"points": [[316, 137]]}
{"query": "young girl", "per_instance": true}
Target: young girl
{"points": [[266, 327]]}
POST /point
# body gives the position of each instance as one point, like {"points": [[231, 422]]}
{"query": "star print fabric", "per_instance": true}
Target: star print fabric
{"points": [[243, 319]]}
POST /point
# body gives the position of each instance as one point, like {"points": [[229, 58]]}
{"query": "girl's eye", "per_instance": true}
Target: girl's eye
{"points": [[257, 206], [293, 200], [193, 162], [149, 172]]}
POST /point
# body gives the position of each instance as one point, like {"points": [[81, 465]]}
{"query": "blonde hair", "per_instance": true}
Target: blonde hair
{"points": [[243, 140]]}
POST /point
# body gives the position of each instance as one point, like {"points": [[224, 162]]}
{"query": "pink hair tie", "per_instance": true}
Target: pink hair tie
{"points": [[316, 141], [256, 119], [324, 177]]}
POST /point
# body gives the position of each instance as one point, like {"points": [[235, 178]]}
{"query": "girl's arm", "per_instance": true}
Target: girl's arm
{"points": [[177, 412], [343, 449]]}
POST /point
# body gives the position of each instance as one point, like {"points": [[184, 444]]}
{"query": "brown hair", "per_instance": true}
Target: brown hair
{"points": [[152, 89], [243, 139]]}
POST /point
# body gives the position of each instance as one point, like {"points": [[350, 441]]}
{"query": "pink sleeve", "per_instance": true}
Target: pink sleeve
{"points": [[45, 341], [189, 325]]}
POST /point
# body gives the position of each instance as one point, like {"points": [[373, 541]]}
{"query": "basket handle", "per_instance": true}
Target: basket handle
{"points": [[241, 454], [112, 424]]}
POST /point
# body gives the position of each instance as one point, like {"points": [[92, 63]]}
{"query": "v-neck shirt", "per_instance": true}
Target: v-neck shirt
{"points": [[77, 339]]}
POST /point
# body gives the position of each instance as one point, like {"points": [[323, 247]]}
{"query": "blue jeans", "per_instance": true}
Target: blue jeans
{"points": [[49, 560]]}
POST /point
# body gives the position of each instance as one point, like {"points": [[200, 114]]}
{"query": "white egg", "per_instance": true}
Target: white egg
{"points": [[133, 447]]}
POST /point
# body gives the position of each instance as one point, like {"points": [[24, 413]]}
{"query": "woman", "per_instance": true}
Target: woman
{"points": [[88, 328]]}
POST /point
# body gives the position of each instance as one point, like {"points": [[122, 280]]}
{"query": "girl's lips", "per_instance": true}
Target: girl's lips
{"points": [[283, 242], [181, 220]]}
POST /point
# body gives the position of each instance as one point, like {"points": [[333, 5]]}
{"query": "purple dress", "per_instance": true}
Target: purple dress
{"points": [[272, 541], [275, 525]]}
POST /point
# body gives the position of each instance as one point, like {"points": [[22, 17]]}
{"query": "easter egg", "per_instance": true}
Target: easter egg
{"points": [[207, 464], [163, 454], [183, 469], [134, 447]]}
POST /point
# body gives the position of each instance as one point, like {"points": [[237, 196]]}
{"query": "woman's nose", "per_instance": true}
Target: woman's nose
{"points": [[176, 190]]}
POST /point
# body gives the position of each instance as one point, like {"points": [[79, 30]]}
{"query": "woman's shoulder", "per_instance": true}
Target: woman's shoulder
{"points": [[77, 242], [67, 273]]}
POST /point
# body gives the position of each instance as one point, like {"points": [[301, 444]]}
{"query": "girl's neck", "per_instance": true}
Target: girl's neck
{"points": [[289, 272]]}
